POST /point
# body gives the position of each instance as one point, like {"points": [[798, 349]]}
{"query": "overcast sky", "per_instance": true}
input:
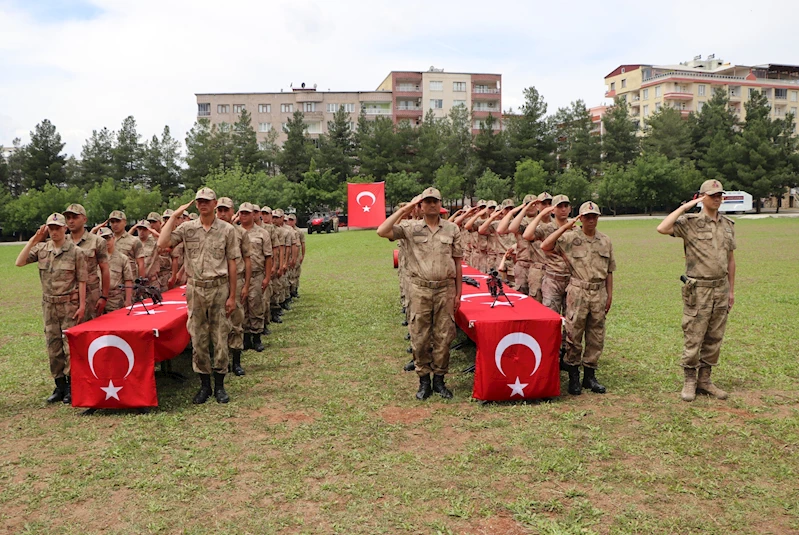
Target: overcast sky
{"points": [[85, 64]]}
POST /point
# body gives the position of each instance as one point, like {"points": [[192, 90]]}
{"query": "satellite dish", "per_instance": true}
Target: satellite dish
{"points": [[314, 86], [303, 85]]}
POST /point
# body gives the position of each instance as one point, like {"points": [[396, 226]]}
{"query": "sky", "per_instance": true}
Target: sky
{"points": [[88, 64]]}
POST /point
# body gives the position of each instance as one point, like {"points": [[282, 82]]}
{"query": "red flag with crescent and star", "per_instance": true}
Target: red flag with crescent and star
{"points": [[366, 204]]}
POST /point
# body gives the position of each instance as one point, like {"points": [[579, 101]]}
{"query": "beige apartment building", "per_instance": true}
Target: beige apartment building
{"points": [[689, 85], [401, 96]]}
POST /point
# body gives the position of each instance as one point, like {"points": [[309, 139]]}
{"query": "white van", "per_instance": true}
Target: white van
{"points": [[734, 201]]}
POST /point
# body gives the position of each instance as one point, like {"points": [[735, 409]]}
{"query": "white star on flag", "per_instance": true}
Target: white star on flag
{"points": [[111, 391], [366, 208], [518, 388]]}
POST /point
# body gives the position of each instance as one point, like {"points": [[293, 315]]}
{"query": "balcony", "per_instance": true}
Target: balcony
{"points": [[484, 89], [678, 95], [610, 93], [408, 88], [734, 96], [410, 112], [378, 111]]}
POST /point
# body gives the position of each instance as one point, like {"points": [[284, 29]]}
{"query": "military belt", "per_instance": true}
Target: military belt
{"points": [[523, 263], [538, 265], [558, 276], [60, 298], [712, 283], [433, 285], [212, 283], [586, 285]]}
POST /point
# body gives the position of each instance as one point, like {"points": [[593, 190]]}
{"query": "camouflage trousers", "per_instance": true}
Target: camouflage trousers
{"points": [[521, 270], [294, 276], [493, 261], [208, 324], [235, 339], [116, 300], [585, 317], [163, 279], [535, 279], [254, 307], [553, 292], [92, 296], [267, 299], [57, 319], [704, 320], [432, 327], [481, 261]]}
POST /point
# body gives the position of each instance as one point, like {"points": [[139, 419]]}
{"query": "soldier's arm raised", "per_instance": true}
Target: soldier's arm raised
{"points": [[22, 258], [552, 239], [386, 228], [484, 228], [470, 224], [516, 224], [504, 225], [529, 233], [166, 230], [667, 225]]}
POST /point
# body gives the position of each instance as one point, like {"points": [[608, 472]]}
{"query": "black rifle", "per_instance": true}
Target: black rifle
{"points": [[495, 287], [142, 291]]}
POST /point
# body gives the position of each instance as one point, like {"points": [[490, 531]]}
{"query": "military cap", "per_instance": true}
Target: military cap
{"points": [[56, 219], [75, 209], [277, 212], [155, 216], [144, 223], [491, 204], [266, 210], [481, 202], [431, 192], [246, 207], [529, 198], [508, 203], [205, 194], [225, 202], [293, 216], [118, 214], [168, 213], [105, 232], [256, 208], [560, 199], [544, 197], [711, 187], [193, 216], [589, 207]]}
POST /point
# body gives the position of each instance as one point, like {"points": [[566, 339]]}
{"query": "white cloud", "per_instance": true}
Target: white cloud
{"points": [[148, 58]]}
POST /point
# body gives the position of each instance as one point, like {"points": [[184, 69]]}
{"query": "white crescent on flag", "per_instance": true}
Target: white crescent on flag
{"points": [[517, 339], [365, 194], [110, 340]]}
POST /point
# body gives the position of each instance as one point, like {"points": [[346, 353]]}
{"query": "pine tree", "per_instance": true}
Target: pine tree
{"points": [[245, 143], [97, 158], [200, 159], [337, 147], [490, 148], [42, 160], [296, 155], [128, 154], [714, 139], [619, 143], [667, 133], [529, 134]]}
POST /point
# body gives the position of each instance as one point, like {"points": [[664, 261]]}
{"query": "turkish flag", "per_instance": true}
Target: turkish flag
{"points": [[366, 204], [517, 346]]}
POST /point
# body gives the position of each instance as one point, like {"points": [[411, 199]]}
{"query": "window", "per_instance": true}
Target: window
{"points": [[287, 108], [309, 107], [332, 107], [701, 90], [794, 95], [352, 126], [458, 103], [264, 108], [459, 86], [436, 86], [264, 127], [781, 94], [646, 94], [699, 106], [657, 91], [284, 126], [657, 106], [238, 108], [204, 109], [793, 112], [223, 108], [623, 83], [646, 110], [613, 86], [436, 103], [313, 128]]}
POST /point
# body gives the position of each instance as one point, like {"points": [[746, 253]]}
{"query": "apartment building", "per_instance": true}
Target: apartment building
{"points": [[689, 85], [401, 96]]}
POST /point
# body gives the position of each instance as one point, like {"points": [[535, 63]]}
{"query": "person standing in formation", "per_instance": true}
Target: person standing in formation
{"points": [[164, 257], [277, 261], [495, 247], [63, 274], [709, 289], [97, 285], [297, 271], [514, 223], [150, 250], [210, 259], [261, 260], [433, 251], [120, 293], [125, 243], [480, 241]]}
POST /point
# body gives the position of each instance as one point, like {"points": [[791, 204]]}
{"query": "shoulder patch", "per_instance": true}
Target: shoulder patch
{"points": [[730, 220]]}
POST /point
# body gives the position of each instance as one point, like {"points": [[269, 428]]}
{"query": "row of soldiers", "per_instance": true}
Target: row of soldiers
{"points": [[85, 274]]}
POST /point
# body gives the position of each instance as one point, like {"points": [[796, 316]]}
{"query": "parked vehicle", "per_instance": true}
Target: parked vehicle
{"points": [[734, 202], [322, 222]]}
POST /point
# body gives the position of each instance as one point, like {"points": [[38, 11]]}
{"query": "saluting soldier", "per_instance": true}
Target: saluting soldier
{"points": [[494, 247], [126, 244], [468, 237], [97, 285], [589, 255], [150, 250], [433, 249], [120, 274], [480, 251], [63, 274], [279, 295], [156, 221], [261, 260], [514, 224], [210, 259], [709, 291]]}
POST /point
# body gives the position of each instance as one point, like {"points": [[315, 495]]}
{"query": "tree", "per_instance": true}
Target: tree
{"points": [[32, 208], [221, 146], [714, 139], [619, 143], [127, 154], [429, 150], [4, 172], [490, 148], [200, 159], [449, 182], [245, 143], [139, 202], [337, 147], [161, 163], [529, 134], [457, 143], [757, 151], [296, 155], [14, 182], [103, 198], [320, 190], [576, 146], [97, 157], [615, 189], [402, 186], [667, 133], [530, 178], [660, 183], [42, 161], [490, 185], [574, 184], [379, 148]]}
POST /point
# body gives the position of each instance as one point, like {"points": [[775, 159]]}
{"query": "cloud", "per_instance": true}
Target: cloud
{"points": [[89, 64]]}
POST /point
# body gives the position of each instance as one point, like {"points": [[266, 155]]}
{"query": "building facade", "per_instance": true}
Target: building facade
{"points": [[689, 85], [402, 96]]}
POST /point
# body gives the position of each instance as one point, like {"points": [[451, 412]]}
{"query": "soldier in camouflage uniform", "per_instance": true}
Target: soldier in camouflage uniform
{"points": [[261, 260], [514, 224], [210, 259], [589, 255], [150, 250], [63, 274], [126, 244], [97, 285], [495, 246], [480, 241], [277, 261], [164, 258], [709, 291], [297, 271], [120, 274], [280, 294]]}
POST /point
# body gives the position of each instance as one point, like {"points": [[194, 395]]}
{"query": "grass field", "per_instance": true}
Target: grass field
{"points": [[324, 435]]}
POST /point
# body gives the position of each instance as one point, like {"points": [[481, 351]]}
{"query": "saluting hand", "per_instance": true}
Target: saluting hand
{"points": [[183, 208], [41, 234], [547, 210]]}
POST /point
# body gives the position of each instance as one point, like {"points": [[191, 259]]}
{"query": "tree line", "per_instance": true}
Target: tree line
{"points": [[533, 152]]}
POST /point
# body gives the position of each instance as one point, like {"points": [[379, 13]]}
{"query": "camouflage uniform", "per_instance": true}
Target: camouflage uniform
{"points": [[277, 247], [235, 339], [177, 254], [260, 250], [96, 252], [60, 272], [521, 268], [291, 274], [556, 273], [131, 247], [152, 260], [121, 274]]}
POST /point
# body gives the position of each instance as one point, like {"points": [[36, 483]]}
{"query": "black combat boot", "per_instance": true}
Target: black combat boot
{"points": [[266, 330], [294, 294], [410, 366], [205, 389], [440, 388], [285, 305], [574, 380], [60, 388], [68, 392], [424, 387], [219, 388], [247, 341], [276, 318], [563, 366], [235, 357], [589, 381], [256, 343]]}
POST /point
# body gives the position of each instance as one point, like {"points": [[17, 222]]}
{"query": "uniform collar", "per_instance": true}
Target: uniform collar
{"points": [[58, 250]]}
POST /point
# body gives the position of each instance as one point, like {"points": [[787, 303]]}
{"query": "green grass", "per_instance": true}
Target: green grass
{"points": [[323, 434]]}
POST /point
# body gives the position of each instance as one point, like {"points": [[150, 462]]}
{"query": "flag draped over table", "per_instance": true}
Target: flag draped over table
{"points": [[366, 204]]}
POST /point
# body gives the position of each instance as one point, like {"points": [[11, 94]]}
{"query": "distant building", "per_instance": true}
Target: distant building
{"points": [[401, 96], [597, 116], [7, 151], [689, 85]]}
